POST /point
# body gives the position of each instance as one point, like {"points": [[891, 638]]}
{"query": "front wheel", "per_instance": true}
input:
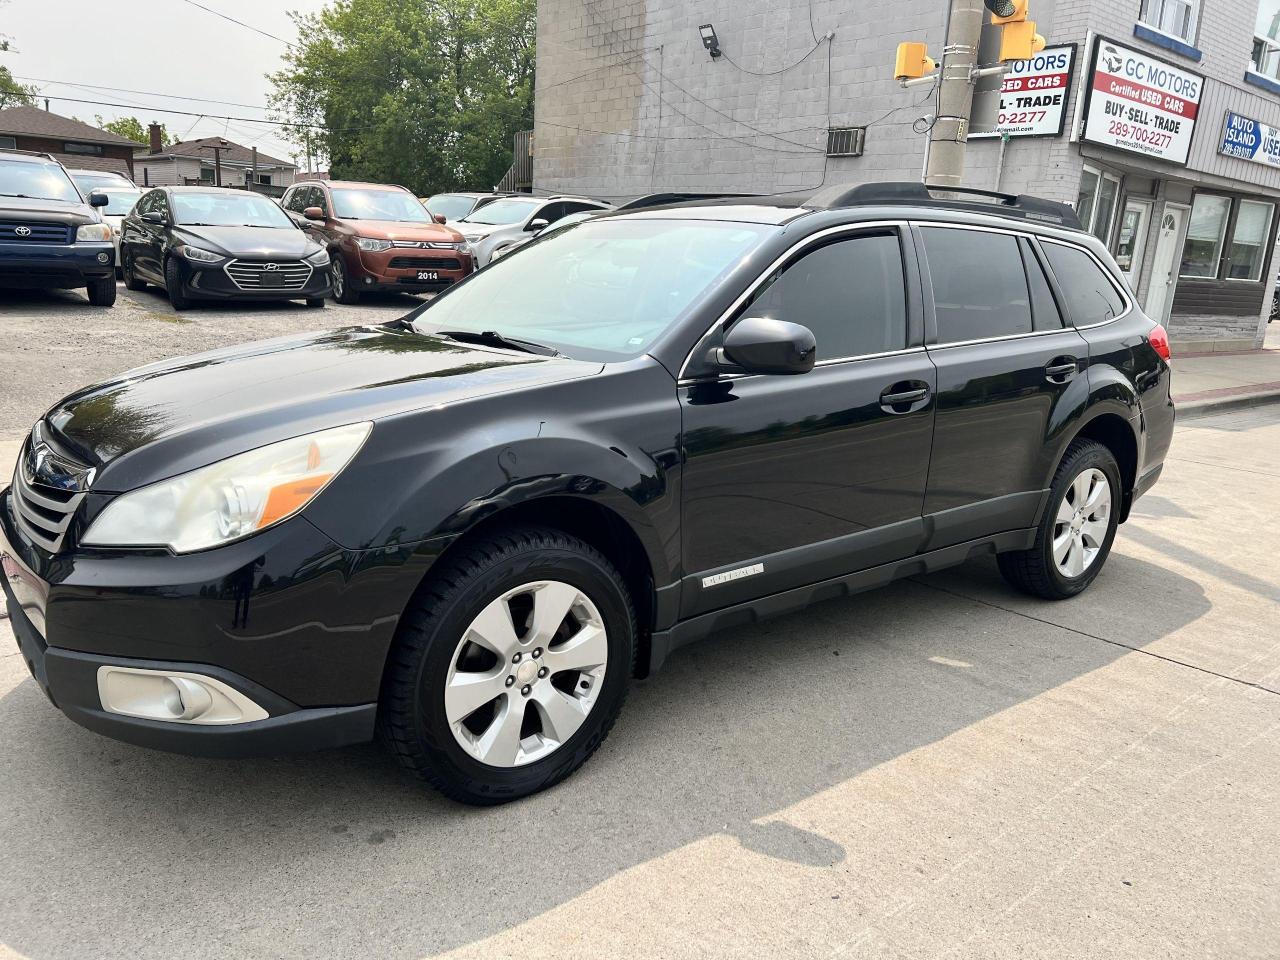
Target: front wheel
{"points": [[102, 293], [315, 302], [343, 291], [510, 667], [173, 285], [1077, 529]]}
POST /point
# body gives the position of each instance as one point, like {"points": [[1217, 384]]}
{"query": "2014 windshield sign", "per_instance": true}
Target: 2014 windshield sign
{"points": [[1141, 104]]}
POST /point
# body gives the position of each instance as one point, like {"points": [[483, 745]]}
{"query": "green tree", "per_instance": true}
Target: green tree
{"points": [[130, 127], [428, 95], [13, 93]]}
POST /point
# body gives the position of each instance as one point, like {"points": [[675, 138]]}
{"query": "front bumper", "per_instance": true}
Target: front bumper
{"points": [[41, 266], [288, 619], [399, 269], [212, 282]]}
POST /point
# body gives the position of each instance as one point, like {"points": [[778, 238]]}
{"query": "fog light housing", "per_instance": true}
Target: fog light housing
{"points": [[174, 697], [104, 257]]}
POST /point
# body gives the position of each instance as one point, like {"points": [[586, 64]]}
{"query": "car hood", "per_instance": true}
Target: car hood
{"points": [[47, 211], [169, 417], [481, 230], [251, 242], [391, 230]]}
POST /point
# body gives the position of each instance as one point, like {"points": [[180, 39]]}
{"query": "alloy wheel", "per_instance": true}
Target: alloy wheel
{"points": [[339, 280], [526, 673], [1081, 523]]}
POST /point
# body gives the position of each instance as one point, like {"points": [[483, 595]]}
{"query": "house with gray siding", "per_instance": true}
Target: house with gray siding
{"points": [[1158, 119], [193, 162]]}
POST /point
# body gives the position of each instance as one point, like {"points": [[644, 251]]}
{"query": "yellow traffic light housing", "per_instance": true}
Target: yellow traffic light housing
{"points": [[1019, 41], [1018, 14], [913, 61]]}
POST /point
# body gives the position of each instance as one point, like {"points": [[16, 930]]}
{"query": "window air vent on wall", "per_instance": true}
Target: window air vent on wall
{"points": [[846, 141]]}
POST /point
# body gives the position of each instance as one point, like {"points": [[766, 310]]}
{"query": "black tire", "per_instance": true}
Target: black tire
{"points": [[173, 285], [411, 716], [1034, 571], [131, 279], [102, 293], [315, 302], [343, 291]]}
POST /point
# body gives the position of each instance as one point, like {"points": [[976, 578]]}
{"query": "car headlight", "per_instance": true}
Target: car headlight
{"points": [[230, 499], [372, 246], [197, 255], [319, 259], [93, 231], [470, 238], [464, 248]]}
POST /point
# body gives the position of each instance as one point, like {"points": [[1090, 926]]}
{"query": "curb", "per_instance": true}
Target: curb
{"points": [[1207, 408]]}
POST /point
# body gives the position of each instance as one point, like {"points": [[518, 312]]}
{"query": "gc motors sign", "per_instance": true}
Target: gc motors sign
{"points": [[1033, 94], [1140, 104]]}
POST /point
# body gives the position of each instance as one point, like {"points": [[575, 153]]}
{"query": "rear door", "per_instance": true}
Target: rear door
{"points": [[789, 480], [1011, 378]]}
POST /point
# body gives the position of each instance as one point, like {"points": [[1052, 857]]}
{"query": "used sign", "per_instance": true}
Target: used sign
{"points": [[1248, 139], [1141, 104], [1033, 94]]}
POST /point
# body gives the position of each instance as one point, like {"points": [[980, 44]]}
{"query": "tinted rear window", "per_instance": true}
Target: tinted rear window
{"points": [[979, 286], [1090, 295]]}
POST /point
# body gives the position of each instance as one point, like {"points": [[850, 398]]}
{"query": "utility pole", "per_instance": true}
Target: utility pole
{"points": [[217, 149], [949, 133], [253, 170]]}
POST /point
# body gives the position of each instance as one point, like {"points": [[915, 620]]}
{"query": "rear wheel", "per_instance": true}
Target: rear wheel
{"points": [[1076, 532], [343, 291], [102, 293], [173, 285], [510, 667]]}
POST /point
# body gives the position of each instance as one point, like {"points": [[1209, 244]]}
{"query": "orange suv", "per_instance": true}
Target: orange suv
{"points": [[379, 237]]}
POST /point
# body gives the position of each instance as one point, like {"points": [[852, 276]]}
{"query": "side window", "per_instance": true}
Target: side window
{"points": [[316, 198], [979, 285], [144, 203], [1090, 295], [293, 200], [552, 212], [1044, 309], [161, 205], [851, 293]]}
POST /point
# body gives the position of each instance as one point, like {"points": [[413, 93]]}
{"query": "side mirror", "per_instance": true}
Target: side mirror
{"points": [[313, 213], [97, 199], [761, 345], [440, 218], [536, 225], [153, 217]]}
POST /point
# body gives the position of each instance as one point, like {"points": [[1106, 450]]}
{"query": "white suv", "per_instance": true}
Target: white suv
{"points": [[503, 222]]}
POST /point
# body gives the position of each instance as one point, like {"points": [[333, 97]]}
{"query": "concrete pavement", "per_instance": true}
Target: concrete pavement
{"points": [[942, 768]]}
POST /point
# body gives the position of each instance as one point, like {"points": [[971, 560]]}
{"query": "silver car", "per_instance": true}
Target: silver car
{"points": [[120, 201], [501, 223]]}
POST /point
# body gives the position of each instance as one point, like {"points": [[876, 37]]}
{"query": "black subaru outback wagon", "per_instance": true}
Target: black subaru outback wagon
{"points": [[468, 529]]}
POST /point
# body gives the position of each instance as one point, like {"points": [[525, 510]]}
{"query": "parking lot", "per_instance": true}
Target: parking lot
{"points": [[941, 768]]}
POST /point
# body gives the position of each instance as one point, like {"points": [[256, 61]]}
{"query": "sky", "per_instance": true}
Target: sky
{"points": [[165, 48]]}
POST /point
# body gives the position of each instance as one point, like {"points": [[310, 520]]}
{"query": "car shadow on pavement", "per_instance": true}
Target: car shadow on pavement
{"points": [[115, 851], [43, 301]]}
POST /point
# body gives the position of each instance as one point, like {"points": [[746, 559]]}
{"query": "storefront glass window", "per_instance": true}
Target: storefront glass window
{"points": [[1108, 192], [1266, 40], [1174, 17], [1096, 202], [1205, 236], [1248, 240], [1088, 190]]}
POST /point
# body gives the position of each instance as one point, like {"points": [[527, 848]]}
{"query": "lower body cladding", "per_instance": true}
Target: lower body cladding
{"points": [[38, 266], [272, 645]]}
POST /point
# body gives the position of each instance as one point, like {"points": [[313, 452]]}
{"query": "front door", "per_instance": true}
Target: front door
{"points": [[789, 480], [1131, 245], [1165, 265]]}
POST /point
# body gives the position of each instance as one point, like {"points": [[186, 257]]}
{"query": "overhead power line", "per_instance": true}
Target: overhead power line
{"points": [[240, 23], [145, 93]]}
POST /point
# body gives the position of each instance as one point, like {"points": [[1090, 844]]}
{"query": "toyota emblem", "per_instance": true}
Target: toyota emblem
{"points": [[22, 231], [272, 266]]}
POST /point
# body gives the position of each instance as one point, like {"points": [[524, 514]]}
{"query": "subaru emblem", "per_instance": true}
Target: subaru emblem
{"points": [[22, 231]]}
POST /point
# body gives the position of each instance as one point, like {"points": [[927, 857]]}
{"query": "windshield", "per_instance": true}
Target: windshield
{"points": [[597, 290], [503, 211], [227, 210], [88, 182], [453, 207], [379, 205], [42, 181], [119, 200]]}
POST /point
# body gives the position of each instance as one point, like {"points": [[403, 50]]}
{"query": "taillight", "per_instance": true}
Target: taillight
{"points": [[1159, 339]]}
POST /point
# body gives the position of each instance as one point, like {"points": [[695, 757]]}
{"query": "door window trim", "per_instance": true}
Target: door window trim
{"points": [[794, 252]]}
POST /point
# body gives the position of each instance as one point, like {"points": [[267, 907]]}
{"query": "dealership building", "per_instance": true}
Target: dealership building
{"points": [[1159, 120]]}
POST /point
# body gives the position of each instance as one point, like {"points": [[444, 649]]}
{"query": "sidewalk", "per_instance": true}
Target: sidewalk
{"points": [[1205, 382]]}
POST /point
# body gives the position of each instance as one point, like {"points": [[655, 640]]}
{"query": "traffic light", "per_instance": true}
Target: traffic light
{"points": [[1007, 11], [913, 61], [1019, 41]]}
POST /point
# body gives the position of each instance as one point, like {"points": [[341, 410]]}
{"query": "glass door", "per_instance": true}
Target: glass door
{"points": [[1131, 244]]}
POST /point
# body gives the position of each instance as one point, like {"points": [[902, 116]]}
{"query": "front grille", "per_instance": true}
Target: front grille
{"points": [[17, 231], [425, 263], [269, 275], [43, 513]]}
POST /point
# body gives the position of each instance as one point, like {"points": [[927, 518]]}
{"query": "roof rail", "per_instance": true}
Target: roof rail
{"points": [[662, 199], [30, 153], [907, 192]]}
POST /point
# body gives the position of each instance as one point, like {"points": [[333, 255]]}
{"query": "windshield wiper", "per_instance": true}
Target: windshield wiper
{"points": [[27, 196], [491, 338]]}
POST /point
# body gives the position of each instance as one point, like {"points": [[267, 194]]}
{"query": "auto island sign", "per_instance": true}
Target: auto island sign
{"points": [[1033, 94], [1140, 104], [1252, 140]]}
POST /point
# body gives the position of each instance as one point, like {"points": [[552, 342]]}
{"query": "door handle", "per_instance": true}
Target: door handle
{"points": [[1061, 370], [903, 395]]}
